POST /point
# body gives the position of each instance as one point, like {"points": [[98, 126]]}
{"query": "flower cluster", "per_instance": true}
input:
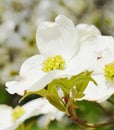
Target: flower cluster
{"points": [[75, 63]]}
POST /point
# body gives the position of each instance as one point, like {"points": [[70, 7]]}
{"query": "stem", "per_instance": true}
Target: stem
{"points": [[91, 125], [76, 120]]}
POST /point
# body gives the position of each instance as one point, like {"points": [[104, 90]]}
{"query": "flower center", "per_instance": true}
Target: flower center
{"points": [[109, 71], [17, 112], [53, 63]]}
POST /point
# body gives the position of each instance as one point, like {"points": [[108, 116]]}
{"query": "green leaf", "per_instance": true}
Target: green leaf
{"points": [[53, 89], [79, 95], [56, 102], [81, 81], [62, 83], [41, 92]]}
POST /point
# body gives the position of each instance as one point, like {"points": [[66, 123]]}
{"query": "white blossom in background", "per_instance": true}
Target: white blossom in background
{"points": [[44, 10], [11, 118], [60, 52]]}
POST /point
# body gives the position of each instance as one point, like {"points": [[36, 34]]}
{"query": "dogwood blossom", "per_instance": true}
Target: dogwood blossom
{"points": [[60, 51], [11, 118], [103, 69]]}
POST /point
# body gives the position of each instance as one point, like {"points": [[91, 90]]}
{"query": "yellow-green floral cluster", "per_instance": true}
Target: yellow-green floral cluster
{"points": [[109, 71], [53, 63]]}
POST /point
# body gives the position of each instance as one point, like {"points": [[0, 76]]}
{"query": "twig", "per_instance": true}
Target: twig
{"points": [[78, 120], [91, 125]]}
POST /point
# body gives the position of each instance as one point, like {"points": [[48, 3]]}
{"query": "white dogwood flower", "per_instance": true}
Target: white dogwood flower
{"points": [[11, 118], [60, 51], [103, 69]]}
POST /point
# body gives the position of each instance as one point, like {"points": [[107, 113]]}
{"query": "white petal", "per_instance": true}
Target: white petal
{"points": [[32, 65], [101, 43], [98, 93], [33, 84], [87, 32], [57, 38], [43, 81], [69, 34], [30, 73], [18, 87], [6, 121], [33, 108], [83, 61]]}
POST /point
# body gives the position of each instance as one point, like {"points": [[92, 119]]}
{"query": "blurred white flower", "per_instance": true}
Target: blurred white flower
{"points": [[103, 69], [60, 54], [5, 29], [11, 118]]}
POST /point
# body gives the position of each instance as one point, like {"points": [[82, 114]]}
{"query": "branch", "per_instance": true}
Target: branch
{"points": [[91, 125], [84, 123]]}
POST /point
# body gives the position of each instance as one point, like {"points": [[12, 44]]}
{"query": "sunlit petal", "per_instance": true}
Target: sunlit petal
{"points": [[58, 37]]}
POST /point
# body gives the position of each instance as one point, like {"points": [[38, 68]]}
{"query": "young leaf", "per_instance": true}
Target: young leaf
{"points": [[52, 89], [42, 92], [81, 81], [62, 83], [56, 102]]}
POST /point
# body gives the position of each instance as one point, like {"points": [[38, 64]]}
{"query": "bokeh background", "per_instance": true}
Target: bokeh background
{"points": [[18, 23]]}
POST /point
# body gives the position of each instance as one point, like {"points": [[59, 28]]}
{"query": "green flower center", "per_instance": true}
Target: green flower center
{"points": [[53, 63], [109, 71], [17, 112]]}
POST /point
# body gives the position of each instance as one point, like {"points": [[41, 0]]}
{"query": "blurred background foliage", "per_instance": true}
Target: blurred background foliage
{"points": [[18, 22]]}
